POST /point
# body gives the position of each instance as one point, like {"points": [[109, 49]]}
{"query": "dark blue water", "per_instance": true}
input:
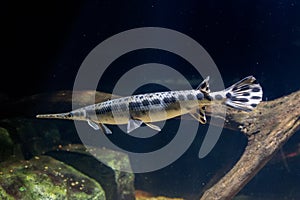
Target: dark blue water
{"points": [[44, 44]]}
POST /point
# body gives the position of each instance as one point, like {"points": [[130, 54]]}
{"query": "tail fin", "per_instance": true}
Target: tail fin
{"points": [[244, 95]]}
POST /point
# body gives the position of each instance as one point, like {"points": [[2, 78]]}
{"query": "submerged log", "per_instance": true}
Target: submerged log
{"points": [[267, 128]]}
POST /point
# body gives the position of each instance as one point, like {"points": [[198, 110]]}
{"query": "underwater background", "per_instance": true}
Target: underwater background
{"points": [[44, 43]]}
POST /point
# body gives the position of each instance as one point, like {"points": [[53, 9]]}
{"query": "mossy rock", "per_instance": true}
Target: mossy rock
{"points": [[35, 137], [47, 179], [116, 184], [6, 144]]}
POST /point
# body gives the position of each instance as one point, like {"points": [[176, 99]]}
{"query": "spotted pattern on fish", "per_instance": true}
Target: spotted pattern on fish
{"points": [[181, 97], [246, 94], [256, 89], [171, 99], [218, 97], [190, 97], [200, 96], [145, 103]]}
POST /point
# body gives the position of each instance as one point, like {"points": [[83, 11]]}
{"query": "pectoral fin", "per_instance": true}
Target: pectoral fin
{"points": [[133, 124], [153, 126], [93, 125], [199, 115]]}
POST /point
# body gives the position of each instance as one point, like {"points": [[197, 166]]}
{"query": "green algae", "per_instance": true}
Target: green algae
{"points": [[47, 179], [116, 184]]}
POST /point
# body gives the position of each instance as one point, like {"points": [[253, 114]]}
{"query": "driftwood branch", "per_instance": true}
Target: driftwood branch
{"points": [[268, 127]]}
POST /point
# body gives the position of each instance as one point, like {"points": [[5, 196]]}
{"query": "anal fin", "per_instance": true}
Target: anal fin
{"points": [[199, 115]]}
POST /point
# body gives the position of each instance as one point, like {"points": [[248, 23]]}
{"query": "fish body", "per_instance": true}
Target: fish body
{"points": [[152, 107]]}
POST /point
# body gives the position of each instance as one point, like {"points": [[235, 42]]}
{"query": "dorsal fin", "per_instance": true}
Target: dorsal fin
{"points": [[204, 86]]}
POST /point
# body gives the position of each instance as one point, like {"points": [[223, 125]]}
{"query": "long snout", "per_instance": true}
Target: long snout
{"points": [[56, 116]]}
